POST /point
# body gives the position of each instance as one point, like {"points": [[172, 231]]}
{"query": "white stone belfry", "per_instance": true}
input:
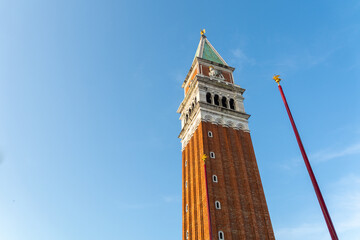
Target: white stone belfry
{"points": [[210, 94]]}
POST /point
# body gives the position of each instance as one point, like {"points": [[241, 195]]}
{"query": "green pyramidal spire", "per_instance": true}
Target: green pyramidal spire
{"points": [[206, 51]]}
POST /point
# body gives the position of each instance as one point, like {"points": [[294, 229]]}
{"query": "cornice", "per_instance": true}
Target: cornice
{"points": [[208, 62], [204, 115], [226, 111], [215, 111], [209, 81]]}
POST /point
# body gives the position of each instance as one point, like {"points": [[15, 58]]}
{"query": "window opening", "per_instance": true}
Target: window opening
{"points": [[221, 235], [217, 205], [210, 134], [224, 102], [232, 104], [215, 178], [216, 100], [208, 98], [212, 154]]}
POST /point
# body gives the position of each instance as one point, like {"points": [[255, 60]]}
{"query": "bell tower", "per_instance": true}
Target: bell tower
{"points": [[222, 194]]}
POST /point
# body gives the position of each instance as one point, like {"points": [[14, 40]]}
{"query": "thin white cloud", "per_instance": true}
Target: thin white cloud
{"points": [[239, 58], [144, 205], [345, 203], [304, 231], [171, 198], [134, 206], [327, 155], [344, 207], [290, 164], [179, 77], [349, 211], [303, 58], [324, 155]]}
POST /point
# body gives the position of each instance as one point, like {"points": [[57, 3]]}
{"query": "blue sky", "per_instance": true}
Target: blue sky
{"points": [[88, 124]]}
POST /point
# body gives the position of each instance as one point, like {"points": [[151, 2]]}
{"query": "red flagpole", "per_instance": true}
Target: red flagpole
{"points": [[308, 167], [207, 196]]}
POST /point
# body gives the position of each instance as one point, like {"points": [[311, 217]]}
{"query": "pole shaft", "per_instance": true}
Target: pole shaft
{"points": [[208, 201], [310, 171]]}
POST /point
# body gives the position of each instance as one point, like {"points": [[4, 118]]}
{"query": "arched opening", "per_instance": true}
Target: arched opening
{"points": [[232, 104], [208, 98], [215, 178], [189, 111], [216, 100], [224, 102], [192, 105], [217, 205], [221, 235]]}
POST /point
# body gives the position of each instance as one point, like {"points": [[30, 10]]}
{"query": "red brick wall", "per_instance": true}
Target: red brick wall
{"points": [[243, 213]]}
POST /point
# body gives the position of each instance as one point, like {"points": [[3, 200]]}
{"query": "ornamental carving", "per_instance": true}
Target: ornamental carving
{"points": [[215, 73]]}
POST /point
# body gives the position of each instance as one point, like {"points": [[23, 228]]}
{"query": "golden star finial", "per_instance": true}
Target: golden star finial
{"points": [[277, 79], [202, 32], [204, 157]]}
